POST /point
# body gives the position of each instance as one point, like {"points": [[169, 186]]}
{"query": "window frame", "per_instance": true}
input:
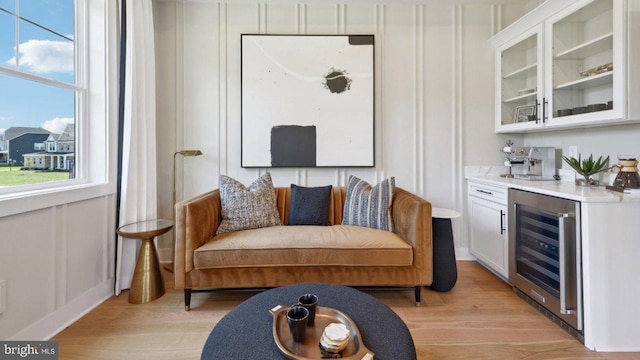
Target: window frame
{"points": [[97, 58]]}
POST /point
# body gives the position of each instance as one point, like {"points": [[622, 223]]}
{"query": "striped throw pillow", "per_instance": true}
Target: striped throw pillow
{"points": [[369, 206]]}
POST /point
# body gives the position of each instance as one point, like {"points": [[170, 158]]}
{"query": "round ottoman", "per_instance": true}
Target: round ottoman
{"points": [[246, 331]]}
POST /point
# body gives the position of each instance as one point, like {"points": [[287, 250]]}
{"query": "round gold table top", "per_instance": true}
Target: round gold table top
{"points": [[145, 229]]}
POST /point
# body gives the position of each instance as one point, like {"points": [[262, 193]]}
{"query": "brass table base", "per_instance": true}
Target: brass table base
{"points": [[147, 284]]}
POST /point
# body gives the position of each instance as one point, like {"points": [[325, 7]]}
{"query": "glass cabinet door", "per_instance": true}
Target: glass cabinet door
{"points": [[584, 75], [519, 87]]}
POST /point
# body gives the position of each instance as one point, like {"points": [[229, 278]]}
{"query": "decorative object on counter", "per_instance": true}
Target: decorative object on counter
{"points": [[587, 168], [597, 70], [628, 177], [525, 113], [508, 150]]}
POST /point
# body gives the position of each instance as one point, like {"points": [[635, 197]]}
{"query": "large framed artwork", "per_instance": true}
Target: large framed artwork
{"points": [[307, 100]]}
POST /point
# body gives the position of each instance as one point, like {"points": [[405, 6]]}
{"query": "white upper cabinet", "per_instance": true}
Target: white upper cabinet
{"points": [[520, 85], [568, 63]]}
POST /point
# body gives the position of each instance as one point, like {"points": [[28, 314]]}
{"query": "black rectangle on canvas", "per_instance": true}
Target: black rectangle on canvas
{"points": [[293, 146]]}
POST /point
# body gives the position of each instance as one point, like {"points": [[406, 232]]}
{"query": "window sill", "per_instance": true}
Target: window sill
{"points": [[32, 200]]}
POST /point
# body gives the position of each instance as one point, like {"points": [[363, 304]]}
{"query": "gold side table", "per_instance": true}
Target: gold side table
{"points": [[147, 284]]}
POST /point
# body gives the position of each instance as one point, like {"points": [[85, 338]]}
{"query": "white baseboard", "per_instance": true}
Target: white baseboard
{"points": [[463, 254], [50, 325], [633, 349]]}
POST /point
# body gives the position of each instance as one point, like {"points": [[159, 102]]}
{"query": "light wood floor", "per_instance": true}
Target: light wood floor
{"points": [[481, 318]]}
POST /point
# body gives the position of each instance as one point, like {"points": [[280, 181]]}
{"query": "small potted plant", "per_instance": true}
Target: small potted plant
{"points": [[587, 168]]}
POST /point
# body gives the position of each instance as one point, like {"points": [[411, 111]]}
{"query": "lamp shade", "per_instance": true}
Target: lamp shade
{"points": [[189, 152], [185, 153]]}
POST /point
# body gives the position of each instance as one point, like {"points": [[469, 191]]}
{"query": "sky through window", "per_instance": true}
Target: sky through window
{"points": [[36, 37]]}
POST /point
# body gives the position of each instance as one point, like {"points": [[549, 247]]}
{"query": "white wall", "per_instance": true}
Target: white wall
{"points": [[434, 89], [57, 263], [600, 141]]}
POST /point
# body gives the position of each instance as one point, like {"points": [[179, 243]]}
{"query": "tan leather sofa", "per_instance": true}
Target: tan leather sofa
{"points": [[283, 255]]}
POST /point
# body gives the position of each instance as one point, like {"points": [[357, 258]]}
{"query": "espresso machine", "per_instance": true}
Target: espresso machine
{"points": [[533, 162]]}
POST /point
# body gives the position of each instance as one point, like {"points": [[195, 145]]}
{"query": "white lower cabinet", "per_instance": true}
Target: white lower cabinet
{"points": [[488, 235], [610, 246]]}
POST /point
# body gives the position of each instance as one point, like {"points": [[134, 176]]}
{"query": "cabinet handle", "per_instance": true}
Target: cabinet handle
{"points": [[544, 110], [568, 286], [537, 111], [484, 192], [502, 229]]}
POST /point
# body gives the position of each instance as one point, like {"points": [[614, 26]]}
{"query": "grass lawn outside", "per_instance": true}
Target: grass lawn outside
{"points": [[13, 176]]}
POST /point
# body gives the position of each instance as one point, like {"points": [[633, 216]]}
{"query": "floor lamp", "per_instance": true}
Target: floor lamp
{"points": [[184, 153]]}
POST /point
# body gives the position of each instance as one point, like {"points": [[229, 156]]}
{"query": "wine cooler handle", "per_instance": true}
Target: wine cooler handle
{"points": [[565, 262], [502, 215]]}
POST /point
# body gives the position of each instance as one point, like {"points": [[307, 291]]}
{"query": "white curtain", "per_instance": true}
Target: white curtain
{"points": [[138, 189]]}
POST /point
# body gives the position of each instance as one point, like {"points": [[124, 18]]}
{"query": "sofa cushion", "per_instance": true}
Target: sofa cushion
{"points": [[369, 206], [304, 246], [309, 205], [247, 208]]}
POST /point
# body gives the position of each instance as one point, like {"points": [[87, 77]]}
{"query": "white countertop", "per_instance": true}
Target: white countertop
{"points": [[557, 188]]}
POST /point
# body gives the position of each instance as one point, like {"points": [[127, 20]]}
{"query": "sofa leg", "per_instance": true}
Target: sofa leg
{"points": [[187, 299], [418, 292]]}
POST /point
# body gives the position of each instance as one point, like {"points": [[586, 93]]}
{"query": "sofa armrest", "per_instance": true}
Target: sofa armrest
{"points": [[197, 220], [412, 220]]}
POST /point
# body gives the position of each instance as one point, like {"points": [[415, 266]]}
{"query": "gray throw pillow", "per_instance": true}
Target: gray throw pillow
{"points": [[309, 205], [369, 206], [247, 208]]}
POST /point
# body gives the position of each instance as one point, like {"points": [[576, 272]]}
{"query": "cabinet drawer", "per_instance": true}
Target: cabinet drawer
{"points": [[489, 192]]}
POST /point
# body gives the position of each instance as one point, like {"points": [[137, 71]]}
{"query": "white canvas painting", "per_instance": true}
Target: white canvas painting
{"points": [[307, 100]]}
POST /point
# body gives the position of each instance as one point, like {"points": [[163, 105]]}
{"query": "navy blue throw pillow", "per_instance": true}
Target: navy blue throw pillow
{"points": [[309, 205]]}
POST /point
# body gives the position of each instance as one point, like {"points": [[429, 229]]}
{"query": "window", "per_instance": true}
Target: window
{"points": [[92, 88], [41, 91]]}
